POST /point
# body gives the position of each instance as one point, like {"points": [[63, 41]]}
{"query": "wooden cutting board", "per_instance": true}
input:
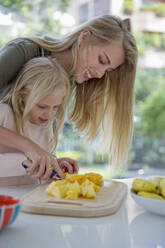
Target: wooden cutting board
{"points": [[107, 202]]}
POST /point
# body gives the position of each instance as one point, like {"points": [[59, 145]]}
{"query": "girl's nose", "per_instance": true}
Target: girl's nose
{"points": [[50, 114]]}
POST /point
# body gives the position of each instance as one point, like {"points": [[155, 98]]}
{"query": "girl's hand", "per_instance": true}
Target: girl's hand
{"points": [[68, 165], [42, 163]]}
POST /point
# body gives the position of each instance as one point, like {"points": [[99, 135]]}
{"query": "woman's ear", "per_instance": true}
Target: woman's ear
{"points": [[84, 35]]}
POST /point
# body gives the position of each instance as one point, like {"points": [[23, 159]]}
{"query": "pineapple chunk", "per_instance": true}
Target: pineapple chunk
{"points": [[74, 186]]}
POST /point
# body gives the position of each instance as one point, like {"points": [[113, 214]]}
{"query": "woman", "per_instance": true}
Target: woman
{"points": [[100, 58]]}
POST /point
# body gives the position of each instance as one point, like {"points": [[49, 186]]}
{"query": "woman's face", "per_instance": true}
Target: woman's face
{"points": [[94, 60]]}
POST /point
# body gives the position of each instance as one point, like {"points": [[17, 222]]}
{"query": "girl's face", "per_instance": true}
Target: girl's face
{"points": [[46, 109], [94, 60]]}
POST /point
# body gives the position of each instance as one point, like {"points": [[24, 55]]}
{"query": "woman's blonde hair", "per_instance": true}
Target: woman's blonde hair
{"points": [[104, 104], [39, 78]]}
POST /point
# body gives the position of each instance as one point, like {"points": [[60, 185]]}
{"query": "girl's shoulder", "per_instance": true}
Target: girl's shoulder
{"points": [[4, 107], [7, 116], [6, 111]]}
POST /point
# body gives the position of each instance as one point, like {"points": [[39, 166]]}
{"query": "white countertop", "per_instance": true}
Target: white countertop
{"points": [[130, 227]]}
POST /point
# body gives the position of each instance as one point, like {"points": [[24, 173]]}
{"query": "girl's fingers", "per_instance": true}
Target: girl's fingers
{"points": [[75, 166], [58, 170], [66, 167], [73, 163]]}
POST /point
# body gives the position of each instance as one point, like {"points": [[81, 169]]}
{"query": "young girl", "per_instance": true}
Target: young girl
{"points": [[100, 57], [40, 93]]}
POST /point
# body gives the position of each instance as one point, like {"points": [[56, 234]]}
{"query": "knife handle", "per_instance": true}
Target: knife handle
{"points": [[51, 176]]}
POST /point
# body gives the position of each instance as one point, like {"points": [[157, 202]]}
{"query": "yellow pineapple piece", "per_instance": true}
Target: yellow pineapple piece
{"points": [[162, 187], [88, 189], [150, 195], [95, 178], [140, 184], [57, 189], [156, 181], [74, 186], [74, 177], [73, 191]]}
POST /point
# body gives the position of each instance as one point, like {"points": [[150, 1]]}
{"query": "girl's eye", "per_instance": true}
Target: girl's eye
{"points": [[41, 107], [55, 108], [100, 60]]}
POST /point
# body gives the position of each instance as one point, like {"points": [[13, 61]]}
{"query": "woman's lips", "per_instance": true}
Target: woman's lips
{"points": [[87, 75]]}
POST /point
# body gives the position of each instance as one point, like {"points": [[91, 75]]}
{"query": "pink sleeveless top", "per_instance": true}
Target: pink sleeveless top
{"points": [[11, 170]]}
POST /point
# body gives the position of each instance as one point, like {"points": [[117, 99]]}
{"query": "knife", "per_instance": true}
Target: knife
{"points": [[53, 175]]}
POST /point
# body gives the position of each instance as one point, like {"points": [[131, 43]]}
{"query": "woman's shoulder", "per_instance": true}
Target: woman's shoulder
{"points": [[24, 42], [20, 40], [13, 56], [49, 38], [30, 46]]}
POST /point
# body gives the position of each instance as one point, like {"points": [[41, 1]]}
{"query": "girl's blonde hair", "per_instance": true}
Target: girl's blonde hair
{"points": [[39, 78], [104, 104]]}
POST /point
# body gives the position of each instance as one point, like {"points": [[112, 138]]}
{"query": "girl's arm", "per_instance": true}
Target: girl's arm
{"points": [[40, 158]]}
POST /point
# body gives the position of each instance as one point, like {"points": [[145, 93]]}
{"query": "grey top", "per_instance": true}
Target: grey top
{"points": [[12, 57]]}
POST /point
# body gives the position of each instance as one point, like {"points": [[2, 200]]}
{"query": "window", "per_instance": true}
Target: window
{"points": [[83, 12], [101, 7]]}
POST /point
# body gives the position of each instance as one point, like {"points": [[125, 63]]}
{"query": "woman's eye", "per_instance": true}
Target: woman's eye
{"points": [[101, 61]]}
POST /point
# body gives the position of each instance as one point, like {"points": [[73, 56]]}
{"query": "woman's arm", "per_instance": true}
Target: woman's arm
{"points": [[39, 157], [12, 57]]}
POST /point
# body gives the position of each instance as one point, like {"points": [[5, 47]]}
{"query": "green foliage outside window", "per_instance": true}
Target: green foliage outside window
{"points": [[153, 114], [37, 5], [148, 40], [38, 15], [148, 146], [128, 7], [158, 9]]}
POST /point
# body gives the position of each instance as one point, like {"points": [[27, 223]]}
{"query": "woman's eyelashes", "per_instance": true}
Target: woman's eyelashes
{"points": [[105, 63], [101, 60]]}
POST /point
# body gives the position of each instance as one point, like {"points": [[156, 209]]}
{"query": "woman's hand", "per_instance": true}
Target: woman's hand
{"points": [[42, 163], [68, 165]]}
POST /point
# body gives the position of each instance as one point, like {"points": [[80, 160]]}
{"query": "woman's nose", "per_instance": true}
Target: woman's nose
{"points": [[101, 72]]}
